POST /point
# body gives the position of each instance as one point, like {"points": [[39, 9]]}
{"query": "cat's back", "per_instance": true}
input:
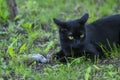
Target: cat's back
{"points": [[113, 20], [103, 29]]}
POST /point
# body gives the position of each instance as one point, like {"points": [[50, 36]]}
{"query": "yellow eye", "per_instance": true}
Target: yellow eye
{"points": [[82, 35], [71, 37]]}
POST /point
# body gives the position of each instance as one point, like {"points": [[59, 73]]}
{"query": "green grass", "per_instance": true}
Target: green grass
{"points": [[23, 38]]}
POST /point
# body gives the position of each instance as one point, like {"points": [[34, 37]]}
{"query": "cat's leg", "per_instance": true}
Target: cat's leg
{"points": [[119, 39], [60, 56], [92, 52]]}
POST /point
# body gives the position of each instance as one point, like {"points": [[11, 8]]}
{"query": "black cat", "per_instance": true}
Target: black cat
{"points": [[77, 38]]}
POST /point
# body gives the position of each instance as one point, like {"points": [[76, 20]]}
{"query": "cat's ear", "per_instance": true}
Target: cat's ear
{"points": [[83, 19], [60, 24]]}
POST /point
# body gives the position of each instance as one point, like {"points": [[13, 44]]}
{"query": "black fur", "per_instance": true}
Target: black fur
{"points": [[87, 38]]}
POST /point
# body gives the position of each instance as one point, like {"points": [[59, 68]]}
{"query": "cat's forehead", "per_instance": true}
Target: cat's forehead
{"points": [[73, 24]]}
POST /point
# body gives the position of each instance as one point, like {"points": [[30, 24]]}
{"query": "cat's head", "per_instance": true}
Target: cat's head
{"points": [[71, 33], [73, 29]]}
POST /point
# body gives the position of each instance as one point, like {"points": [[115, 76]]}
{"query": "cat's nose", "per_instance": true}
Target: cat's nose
{"points": [[76, 44]]}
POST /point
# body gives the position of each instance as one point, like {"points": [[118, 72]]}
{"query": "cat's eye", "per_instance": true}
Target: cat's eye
{"points": [[71, 37], [82, 35]]}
